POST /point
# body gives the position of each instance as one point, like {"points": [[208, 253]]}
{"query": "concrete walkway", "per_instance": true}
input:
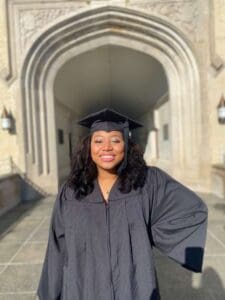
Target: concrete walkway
{"points": [[24, 233]]}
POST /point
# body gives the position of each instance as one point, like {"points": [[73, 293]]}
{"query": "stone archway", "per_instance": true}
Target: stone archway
{"points": [[91, 29]]}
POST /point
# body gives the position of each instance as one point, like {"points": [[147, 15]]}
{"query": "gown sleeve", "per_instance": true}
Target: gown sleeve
{"points": [[178, 221], [50, 285]]}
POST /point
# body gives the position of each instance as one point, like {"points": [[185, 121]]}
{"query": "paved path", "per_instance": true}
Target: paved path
{"points": [[23, 238]]}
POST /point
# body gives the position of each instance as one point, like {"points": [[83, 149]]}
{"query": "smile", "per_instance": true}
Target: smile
{"points": [[107, 158]]}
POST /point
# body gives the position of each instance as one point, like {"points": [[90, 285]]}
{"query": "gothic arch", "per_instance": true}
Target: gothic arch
{"points": [[90, 29]]}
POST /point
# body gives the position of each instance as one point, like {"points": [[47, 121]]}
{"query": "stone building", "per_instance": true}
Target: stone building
{"points": [[161, 62]]}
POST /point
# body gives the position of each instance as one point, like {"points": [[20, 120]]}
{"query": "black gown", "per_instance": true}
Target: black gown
{"points": [[99, 251]]}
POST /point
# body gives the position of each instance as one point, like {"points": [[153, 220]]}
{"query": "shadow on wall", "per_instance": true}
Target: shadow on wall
{"points": [[178, 283], [140, 136], [18, 195], [220, 207], [29, 190], [16, 188]]}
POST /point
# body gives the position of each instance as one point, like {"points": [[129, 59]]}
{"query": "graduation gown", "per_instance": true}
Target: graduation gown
{"points": [[99, 251]]}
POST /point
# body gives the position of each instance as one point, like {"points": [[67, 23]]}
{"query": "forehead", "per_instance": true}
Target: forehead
{"points": [[104, 133]]}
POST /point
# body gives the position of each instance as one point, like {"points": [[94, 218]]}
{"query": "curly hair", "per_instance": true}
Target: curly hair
{"points": [[84, 170]]}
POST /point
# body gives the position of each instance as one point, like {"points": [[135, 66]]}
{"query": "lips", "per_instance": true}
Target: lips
{"points": [[107, 158]]}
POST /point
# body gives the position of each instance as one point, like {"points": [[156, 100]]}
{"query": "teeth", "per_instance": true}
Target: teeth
{"points": [[107, 156]]}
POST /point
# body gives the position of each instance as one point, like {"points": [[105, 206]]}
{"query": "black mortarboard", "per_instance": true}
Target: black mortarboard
{"points": [[105, 117], [108, 120]]}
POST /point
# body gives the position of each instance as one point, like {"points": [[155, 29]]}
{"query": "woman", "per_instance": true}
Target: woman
{"points": [[110, 213]]}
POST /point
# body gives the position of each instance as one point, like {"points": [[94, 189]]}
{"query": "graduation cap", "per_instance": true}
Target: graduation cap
{"points": [[109, 120]]}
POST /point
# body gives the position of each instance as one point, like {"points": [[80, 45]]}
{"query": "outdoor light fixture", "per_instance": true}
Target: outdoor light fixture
{"points": [[6, 120], [221, 110]]}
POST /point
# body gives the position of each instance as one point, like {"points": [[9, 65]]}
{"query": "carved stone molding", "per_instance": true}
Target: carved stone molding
{"points": [[31, 21], [217, 63], [185, 14], [25, 19]]}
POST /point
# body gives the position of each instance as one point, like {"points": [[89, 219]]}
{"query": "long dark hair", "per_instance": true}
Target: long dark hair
{"points": [[84, 171]]}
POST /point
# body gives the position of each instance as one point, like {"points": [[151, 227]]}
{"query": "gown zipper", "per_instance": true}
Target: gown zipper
{"points": [[109, 248]]}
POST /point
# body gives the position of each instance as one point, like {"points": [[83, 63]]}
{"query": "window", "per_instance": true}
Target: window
{"points": [[60, 136], [165, 132]]}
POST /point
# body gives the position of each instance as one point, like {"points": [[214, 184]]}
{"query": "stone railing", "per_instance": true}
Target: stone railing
{"points": [[6, 166]]}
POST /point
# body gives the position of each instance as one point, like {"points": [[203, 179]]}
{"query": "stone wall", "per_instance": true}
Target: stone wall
{"points": [[163, 125], [63, 119], [8, 142]]}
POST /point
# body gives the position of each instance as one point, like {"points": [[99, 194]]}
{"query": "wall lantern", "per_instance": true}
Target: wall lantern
{"points": [[221, 110], [6, 120]]}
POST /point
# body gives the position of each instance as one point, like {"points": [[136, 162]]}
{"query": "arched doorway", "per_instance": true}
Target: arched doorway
{"points": [[93, 29], [109, 76]]}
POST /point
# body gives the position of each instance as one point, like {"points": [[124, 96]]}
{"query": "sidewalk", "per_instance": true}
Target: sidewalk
{"points": [[24, 234]]}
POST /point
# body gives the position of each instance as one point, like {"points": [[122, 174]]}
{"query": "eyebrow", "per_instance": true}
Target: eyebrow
{"points": [[115, 135]]}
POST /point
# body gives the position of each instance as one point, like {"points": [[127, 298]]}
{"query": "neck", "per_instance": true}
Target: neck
{"points": [[107, 174]]}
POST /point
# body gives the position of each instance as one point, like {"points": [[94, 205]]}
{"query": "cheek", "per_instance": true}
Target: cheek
{"points": [[120, 149], [94, 152]]}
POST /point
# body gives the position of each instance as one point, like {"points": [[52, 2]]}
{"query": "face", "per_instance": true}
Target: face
{"points": [[107, 149]]}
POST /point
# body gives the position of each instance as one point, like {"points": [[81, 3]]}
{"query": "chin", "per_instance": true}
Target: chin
{"points": [[107, 166]]}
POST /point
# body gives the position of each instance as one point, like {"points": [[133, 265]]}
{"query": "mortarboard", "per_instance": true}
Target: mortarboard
{"points": [[108, 120]]}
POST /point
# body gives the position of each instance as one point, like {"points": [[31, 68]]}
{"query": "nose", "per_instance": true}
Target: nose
{"points": [[107, 146]]}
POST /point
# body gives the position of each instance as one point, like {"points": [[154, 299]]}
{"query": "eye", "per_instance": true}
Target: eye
{"points": [[97, 141], [116, 140]]}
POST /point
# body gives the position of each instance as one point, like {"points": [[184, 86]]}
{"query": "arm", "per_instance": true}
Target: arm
{"points": [[178, 221], [50, 285]]}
